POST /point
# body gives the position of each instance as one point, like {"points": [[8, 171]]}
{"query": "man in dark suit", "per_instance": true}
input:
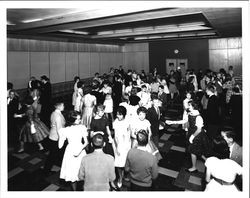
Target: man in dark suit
{"points": [[153, 116], [13, 103], [213, 120], [45, 100], [163, 98]]}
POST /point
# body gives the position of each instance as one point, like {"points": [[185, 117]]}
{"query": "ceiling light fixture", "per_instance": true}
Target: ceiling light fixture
{"points": [[74, 32], [105, 32], [31, 20], [141, 38], [206, 34]]}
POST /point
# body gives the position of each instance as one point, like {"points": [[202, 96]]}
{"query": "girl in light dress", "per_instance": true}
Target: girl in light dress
{"points": [[185, 108], [122, 141], [76, 80], [89, 102], [145, 97], [108, 102], [78, 105], [141, 123], [75, 149]]}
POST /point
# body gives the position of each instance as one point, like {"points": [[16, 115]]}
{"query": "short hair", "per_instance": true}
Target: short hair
{"points": [[97, 141], [105, 82], [87, 90], [44, 77], [211, 88], [9, 85], [96, 73], [229, 134], [220, 148], [72, 116], [142, 138], [143, 86], [194, 104], [154, 96], [28, 100], [122, 111], [142, 109]]}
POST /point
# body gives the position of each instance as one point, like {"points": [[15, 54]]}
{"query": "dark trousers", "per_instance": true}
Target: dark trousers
{"points": [[134, 187], [54, 154]]}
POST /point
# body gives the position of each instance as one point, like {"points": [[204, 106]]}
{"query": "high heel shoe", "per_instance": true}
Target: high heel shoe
{"points": [[193, 171]]}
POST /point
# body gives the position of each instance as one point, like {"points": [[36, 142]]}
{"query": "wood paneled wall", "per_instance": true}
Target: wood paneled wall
{"points": [[60, 61], [225, 52], [136, 57]]}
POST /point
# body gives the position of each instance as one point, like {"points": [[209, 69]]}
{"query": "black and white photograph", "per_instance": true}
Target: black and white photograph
{"points": [[125, 96]]}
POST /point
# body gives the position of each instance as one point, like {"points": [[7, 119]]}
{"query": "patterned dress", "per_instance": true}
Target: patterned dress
{"points": [[41, 129]]}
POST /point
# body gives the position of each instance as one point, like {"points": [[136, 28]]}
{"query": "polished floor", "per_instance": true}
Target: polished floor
{"points": [[25, 169]]}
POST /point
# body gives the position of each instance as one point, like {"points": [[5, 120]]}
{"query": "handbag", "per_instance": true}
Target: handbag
{"points": [[32, 129]]}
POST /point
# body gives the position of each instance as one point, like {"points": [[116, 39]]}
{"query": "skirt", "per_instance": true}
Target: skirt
{"points": [[108, 103], [41, 133]]}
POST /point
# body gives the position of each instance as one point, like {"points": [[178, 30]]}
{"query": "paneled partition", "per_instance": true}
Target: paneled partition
{"points": [[225, 52], [59, 61]]}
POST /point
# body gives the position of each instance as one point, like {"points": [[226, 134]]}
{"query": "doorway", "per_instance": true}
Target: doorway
{"points": [[173, 64]]}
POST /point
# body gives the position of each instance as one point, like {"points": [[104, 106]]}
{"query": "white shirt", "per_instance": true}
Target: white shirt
{"points": [[231, 149]]}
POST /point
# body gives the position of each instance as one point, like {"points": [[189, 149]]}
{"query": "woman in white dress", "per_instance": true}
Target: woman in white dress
{"points": [[141, 123], [78, 105], [75, 149], [89, 102], [221, 172], [122, 141], [76, 80]]}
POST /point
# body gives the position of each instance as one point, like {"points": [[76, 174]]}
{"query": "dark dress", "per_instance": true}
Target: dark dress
{"points": [[201, 143], [41, 129], [100, 125]]}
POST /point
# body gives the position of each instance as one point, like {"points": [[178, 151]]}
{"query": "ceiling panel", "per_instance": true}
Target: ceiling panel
{"points": [[102, 25]]}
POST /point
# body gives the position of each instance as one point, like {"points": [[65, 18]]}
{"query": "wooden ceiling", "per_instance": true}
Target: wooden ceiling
{"points": [[119, 26]]}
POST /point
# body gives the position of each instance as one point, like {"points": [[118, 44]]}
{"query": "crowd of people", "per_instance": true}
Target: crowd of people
{"points": [[113, 123]]}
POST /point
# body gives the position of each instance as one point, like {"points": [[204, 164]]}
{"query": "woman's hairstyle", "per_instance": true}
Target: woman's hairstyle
{"points": [[87, 90], [44, 78], [142, 109], [79, 84], [58, 103], [194, 105], [76, 78], [105, 82], [142, 138], [133, 91], [100, 107], [220, 148], [161, 86], [72, 116], [122, 111]]}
